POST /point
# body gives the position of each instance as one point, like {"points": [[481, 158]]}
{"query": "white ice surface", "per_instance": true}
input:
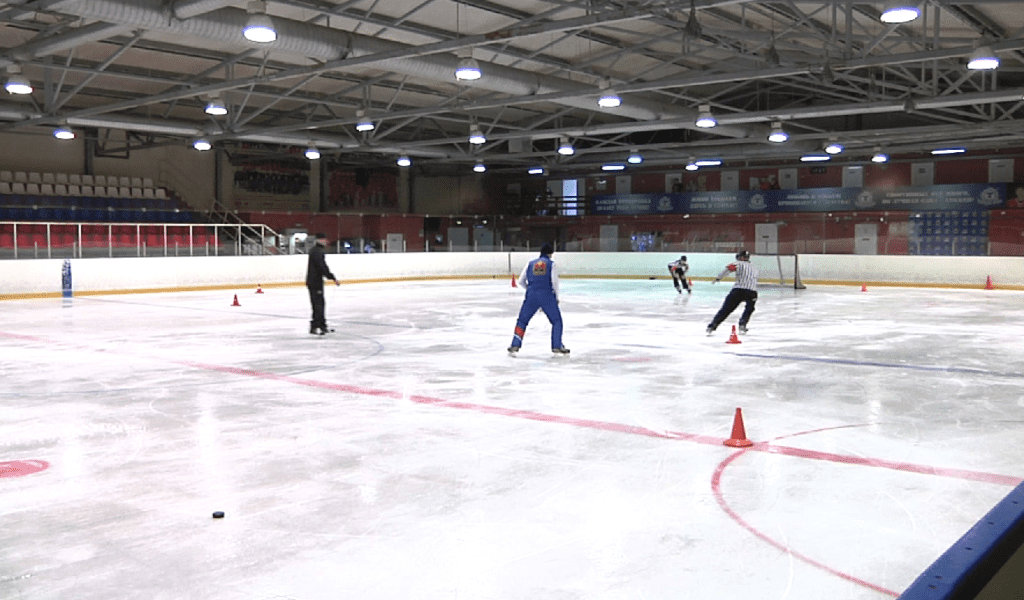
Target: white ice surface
{"points": [[408, 457]]}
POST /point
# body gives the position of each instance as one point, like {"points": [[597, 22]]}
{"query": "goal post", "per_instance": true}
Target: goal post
{"points": [[778, 270]]}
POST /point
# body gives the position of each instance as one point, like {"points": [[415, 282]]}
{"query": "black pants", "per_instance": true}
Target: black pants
{"points": [[735, 297], [316, 298], [678, 277]]}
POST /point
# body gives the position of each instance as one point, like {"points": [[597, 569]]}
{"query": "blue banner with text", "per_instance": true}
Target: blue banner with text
{"points": [[963, 197]]}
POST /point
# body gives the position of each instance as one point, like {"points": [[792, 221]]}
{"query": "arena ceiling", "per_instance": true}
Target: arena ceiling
{"points": [[139, 73]]}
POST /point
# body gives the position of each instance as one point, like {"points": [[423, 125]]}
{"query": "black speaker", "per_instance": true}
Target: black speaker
{"points": [[431, 223], [362, 177]]}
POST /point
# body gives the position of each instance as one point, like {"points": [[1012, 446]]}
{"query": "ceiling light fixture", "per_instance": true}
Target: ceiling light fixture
{"points": [[692, 28], [899, 12], [312, 153], [202, 145], [952, 150], [63, 133], [565, 148], [983, 59], [815, 158], [475, 135], [691, 166], [363, 123], [608, 99], [634, 157], [16, 82], [403, 161], [479, 167], [709, 162], [834, 147], [777, 135], [771, 55], [879, 156], [216, 107], [259, 28], [827, 74], [613, 167], [704, 118], [537, 171], [468, 69]]}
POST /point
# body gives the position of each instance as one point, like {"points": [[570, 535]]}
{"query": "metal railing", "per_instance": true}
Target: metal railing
{"points": [[34, 239]]}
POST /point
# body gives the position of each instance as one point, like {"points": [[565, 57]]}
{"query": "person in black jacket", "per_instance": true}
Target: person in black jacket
{"points": [[315, 274]]}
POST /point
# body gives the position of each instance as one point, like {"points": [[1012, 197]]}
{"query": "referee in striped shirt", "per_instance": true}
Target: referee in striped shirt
{"points": [[744, 290]]}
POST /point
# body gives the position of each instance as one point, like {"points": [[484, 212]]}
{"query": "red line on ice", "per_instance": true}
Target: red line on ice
{"points": [[620, 427]]}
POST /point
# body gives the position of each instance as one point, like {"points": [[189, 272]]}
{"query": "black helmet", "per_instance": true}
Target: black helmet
{"points": [[546, 250], [742, 255], [683, 258]]}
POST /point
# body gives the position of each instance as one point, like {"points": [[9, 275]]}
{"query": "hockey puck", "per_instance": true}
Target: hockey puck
{"points": [[218, 515]]}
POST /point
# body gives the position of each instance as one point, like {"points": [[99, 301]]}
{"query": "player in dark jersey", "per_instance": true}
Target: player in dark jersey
{"points": [[678, 270]]}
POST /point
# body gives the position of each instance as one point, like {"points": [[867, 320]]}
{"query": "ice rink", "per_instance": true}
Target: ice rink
{"points": [[407, 456]]}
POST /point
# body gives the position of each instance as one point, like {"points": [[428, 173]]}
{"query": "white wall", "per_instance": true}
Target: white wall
{"points": [[448, 195], [28, 278], [41, 152], [184, 170]]}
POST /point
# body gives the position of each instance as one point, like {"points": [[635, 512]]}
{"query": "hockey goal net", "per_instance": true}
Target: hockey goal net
{"points": [[778, 270]]}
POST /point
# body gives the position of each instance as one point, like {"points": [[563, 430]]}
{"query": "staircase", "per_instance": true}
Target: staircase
{"points": [[247, 238]]}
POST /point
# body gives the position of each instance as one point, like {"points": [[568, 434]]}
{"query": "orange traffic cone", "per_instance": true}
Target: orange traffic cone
{"points": [[259, 289], [863, 287], [514, 281], [235, 303], [738, 439], [988, 283], [733, 338]]}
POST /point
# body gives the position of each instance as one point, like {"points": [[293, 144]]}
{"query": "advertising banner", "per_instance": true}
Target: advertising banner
{"points": [[960, 197]]}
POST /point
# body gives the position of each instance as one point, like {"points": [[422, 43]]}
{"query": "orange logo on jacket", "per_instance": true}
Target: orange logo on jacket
{"points": [[540, 268]]}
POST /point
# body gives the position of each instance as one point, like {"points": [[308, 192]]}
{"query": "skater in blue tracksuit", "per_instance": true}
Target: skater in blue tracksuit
{"points": [[540, 278]]}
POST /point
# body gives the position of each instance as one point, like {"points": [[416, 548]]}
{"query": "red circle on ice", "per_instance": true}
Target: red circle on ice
{"points": [[17, 468]]}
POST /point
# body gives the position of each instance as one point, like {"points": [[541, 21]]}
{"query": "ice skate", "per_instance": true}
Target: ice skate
{"points": [[513, 350], [710, 329], [743, 328], [563, 350]]}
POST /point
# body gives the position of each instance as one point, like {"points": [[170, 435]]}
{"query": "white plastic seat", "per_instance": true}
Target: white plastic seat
{"points": [[18, 187], [60, 189], [32, 189], [5, 187], [124, 182], [74, 190], [100, 180], [136, 192], [88, 180], [147, 182], [6, 176], [87, 190], [124, 192], [161, 193], [46, 189], [148, 192], [35, 178], [49, 178], [20, 177], [62, 178]]}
